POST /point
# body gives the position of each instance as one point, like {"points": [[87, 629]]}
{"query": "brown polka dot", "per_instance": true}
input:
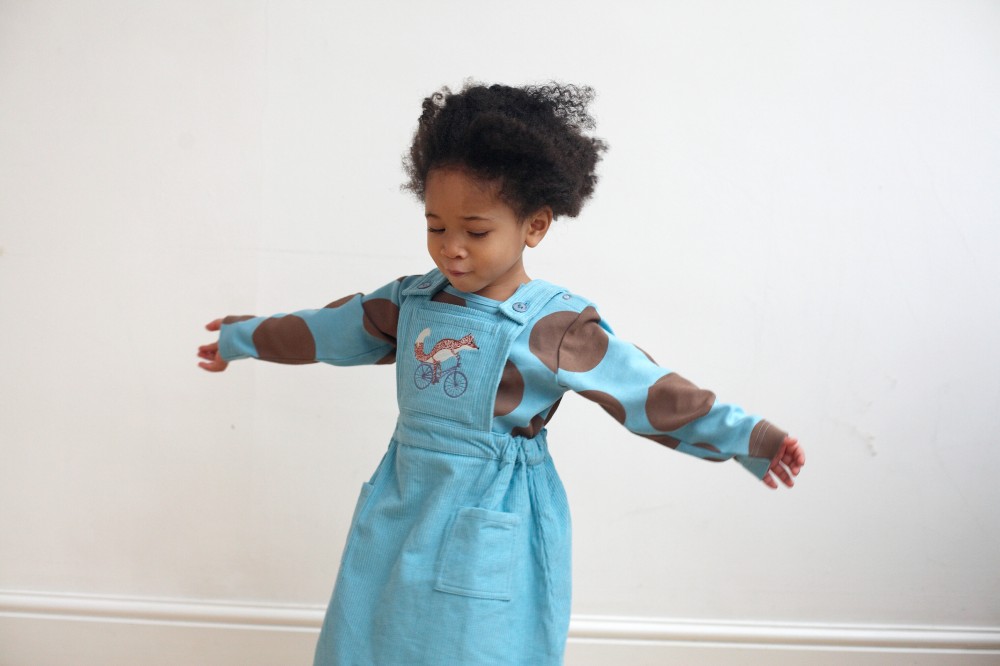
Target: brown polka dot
{"points": [[537, 423], [510, 392], [546, 335], [388, 359], [608, 402], [766, 440], [381, 318], [665, 440], [446, 297], [341, 301], [232, 319], [585, 343], [673, 402], [285, 340], [531, 430], [552, 410]]}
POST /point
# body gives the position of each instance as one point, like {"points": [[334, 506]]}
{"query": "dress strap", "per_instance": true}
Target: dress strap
{"points": [[428, 285], [521, 307], [529, 300]]}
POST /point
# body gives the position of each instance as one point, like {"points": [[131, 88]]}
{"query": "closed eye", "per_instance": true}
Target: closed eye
{"points": [[432, 230], [478, 234]]}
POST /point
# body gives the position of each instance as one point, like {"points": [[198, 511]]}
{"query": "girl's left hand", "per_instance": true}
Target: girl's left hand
{"points": [[787, 464]]}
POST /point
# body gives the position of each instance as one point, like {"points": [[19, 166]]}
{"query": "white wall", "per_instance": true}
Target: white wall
{"points": [[799, 210]]}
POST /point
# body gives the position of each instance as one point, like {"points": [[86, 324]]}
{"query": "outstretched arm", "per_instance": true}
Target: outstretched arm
{"points": [[787, 464], [660, 405], [210, 352]]}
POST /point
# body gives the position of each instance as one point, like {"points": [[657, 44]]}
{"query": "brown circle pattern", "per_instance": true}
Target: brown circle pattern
{"points": [[285, 340], [552, 411], [532, 429], [672, 402], [585, 343], [342, 301], [717, 457], [537, 423], [445, 297], [510, 392], [766, 440], [608, 402], [546, 335], [665, 440], [381, 318]]}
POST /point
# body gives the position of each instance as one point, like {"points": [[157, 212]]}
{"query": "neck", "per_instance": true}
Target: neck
{"points": [[504, 288]]}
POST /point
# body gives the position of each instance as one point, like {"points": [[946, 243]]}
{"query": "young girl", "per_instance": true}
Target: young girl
{"points": [[459, 548]]}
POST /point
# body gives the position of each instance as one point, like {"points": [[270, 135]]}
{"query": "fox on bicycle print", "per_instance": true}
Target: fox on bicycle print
{"points": [[430, 371]]}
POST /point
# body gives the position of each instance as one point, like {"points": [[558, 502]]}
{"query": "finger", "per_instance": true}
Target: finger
{"points": [[214, 325], [795, 464], [779, 470], [796, 451], [209, 352], [769, 481], [791, 463], [792, 453]]}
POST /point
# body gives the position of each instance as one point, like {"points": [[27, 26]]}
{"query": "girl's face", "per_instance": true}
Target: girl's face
{"points": [[475, 239]]}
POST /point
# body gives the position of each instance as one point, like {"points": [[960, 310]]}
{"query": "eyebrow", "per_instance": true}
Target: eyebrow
{"points": [[464, 218]]}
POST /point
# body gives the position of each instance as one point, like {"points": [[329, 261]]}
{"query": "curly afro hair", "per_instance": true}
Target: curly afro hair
{"points": [[529, 140]]}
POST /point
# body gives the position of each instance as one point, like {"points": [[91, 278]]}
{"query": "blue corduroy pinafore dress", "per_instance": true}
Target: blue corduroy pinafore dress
{"points": [[459, 548]]}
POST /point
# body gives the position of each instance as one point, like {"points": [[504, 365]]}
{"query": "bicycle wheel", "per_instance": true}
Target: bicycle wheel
{"points": [[424, 375], [455, 383]]}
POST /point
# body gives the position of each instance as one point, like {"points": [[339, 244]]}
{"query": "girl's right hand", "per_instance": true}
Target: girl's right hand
{"points": [[787, 464], [210, 352]]}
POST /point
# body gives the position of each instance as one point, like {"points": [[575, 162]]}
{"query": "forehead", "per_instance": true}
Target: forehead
{"points": [[454, 190]]}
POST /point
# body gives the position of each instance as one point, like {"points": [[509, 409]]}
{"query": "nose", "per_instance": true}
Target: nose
{"points": [[452, 248]]}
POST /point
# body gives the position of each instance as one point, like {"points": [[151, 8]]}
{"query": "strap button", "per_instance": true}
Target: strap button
{"points": [[423, 285], [520, 307]]}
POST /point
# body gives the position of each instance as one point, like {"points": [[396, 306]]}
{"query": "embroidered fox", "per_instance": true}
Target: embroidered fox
{"points": [[446, 348]]}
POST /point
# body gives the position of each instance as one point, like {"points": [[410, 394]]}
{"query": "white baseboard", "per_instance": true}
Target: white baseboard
{"points": [[40, 629]]}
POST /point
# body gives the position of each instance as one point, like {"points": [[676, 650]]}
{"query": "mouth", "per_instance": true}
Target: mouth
{"points": [[456, 274]]}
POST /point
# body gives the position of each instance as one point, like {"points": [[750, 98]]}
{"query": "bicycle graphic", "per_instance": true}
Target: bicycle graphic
{"points": [[453, 380]]}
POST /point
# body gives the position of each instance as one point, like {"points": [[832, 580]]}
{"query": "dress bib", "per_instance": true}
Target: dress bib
{"points": [[459, 548]]}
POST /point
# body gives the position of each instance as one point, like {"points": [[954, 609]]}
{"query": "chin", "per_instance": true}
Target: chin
{"points": [[463, 282]]}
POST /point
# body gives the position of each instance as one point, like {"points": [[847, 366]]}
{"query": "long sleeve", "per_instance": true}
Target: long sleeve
{"points": [[658, 404], [355, 330]]}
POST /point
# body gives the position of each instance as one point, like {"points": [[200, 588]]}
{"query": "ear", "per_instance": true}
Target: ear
{"points": [[538, 224]]}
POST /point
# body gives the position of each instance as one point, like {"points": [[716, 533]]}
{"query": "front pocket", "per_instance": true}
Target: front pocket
{"points": [[478, 553]]}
